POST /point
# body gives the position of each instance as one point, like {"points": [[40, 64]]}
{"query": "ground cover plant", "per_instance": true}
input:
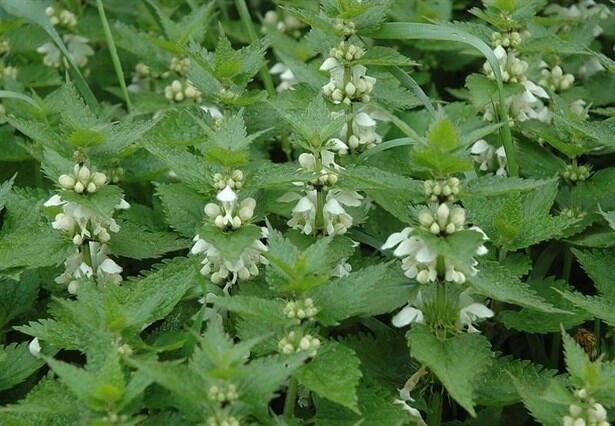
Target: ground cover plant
{"points": [[334, 212]]}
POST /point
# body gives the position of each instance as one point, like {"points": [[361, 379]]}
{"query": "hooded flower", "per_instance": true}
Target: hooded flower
{"points": [[471, 312], [418, 258], [102, 268], [77, 46], [488, 157], [220, 270], [287, 78]]}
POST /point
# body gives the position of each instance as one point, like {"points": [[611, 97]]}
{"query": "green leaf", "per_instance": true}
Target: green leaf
{"points": [[18, 297], [136, 242], [498, 283], [33, 246], [183, 207], [333, 374], [373, 290], [16, 364], [5, 188], [598, 264], [497, 386], [375, 405], [442, 135], [458, 362], [532, 321], [599, 307]]}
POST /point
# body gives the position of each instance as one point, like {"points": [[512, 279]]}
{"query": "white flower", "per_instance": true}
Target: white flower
{"points": [[590, 67], [10, 72], [404, 400], [220, 270], [512, 68], [487, 156], [555, 79], [338, 90], [213, 111], [81, 223], [287, 78], [406, 316], [364, 135], [179, 91], [472, 312], [102, 268], [77, 46], [337, 221], [418, 258], [35, 347], [342, 269]]}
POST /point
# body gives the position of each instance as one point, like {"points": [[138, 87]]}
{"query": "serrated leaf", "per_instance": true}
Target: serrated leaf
{"points": [[136, 242], [183, 207], [599, 307], [333, 374], [458, 362], [497, 282], [16, 364]]}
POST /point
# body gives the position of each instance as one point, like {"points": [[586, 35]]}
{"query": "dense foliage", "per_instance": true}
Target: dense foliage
{"points": [[375, 212]]}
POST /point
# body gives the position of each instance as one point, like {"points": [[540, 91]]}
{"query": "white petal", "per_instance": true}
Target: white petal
{"points": [[364, 120], [329, 64], [227, 195], [110, 267], [396, 238], [56, 200], [407, 316]]}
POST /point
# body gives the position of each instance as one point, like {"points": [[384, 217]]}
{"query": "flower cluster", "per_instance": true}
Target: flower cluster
{"points": [[282, 21], [347, 89], [87, 229], [320, 205], [61, 17], [512, 68], [345, 28], [296, 341], [587, 412], [583, 11], [489, 158], [180, 65], [287, 77], [528, 104], [576, 173], [223, 393], [222, 420], [509, 39], [9, 72], [301, 309], [442, 220], [179, 91], [82, 181], [350, 86], [445, 190], [555, 78], [230, 215], [233, 180], [78, 46]]}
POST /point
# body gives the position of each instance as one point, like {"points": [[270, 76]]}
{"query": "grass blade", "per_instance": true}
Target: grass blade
{"points": [[414, 31], [117, 65]]}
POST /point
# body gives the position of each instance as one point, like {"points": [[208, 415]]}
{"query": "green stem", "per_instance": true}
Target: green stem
{"points": [[291, 398], [434, 417], [244, 14], [117, 65], [86, 253]]}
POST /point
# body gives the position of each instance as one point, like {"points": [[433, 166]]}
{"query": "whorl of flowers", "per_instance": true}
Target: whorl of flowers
{"points": [[78, 46], [229, 214], [287, 77], [586, 411], [179, 91], [320, 205], [282, 21], [349, 85], [87, 229], [555, 78]]}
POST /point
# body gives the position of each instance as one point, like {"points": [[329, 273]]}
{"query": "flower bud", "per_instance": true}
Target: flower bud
{"points": [[91, 187], [212, 210], [425, 218], [79, 188], [219, 222], [77, 240], [243, 273], [99, 178], [73, 287], [246, 213], [103, 236], [423, 277], [236, 222], [350, 89], [66, 181], [84, 174], [442, 213], [434, 228], [176, 86]]}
